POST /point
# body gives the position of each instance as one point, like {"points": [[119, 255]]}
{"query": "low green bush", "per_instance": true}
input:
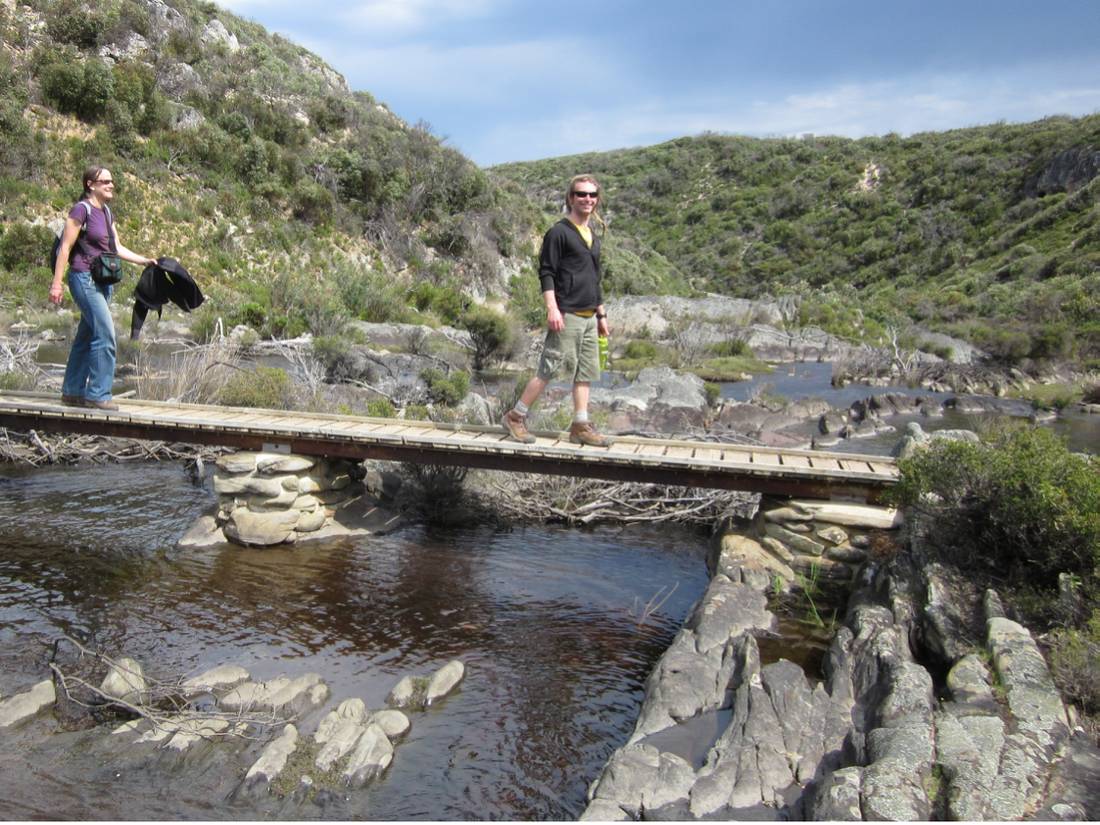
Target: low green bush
{"points": [[445, 389], [264, 387], [334, 351], [732, 348], [25, 246], [381, 408], [1075, 660], [636, 350], [1021, 506], [491, 334]]}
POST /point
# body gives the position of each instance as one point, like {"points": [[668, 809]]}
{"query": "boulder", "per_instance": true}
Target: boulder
{"points": [[350, 712], [125, 681], [395, 723], [404, 693], [795, 541], [214, 33], [272, 761], [223, 676], [740, 551], [444, 681], [23, 706], [261, 529], [370, 758]]}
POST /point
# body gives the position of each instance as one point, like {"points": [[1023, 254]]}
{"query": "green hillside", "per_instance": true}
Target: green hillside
{"points": [[296, 201], [990, 234]]}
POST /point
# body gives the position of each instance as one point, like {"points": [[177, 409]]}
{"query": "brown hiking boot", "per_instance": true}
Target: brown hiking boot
{"points": [[516, 426], [581, 432]]}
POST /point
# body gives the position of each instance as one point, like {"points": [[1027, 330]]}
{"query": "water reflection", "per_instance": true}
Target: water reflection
{"points": [[545, 620]]}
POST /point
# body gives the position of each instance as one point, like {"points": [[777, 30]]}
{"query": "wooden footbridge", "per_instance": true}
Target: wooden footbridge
{"points": [[807, 473]]}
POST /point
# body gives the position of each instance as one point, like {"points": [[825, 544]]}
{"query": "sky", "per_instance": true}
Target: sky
{"points": [[509, 80]]}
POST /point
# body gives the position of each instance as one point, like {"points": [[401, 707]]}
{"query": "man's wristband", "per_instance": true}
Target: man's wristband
{"points": [[598, 315]]}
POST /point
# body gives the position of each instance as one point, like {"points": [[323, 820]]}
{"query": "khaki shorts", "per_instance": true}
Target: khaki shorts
{"points": [[573, 353]]}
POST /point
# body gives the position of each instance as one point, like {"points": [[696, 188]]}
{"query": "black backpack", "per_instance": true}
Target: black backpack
{"points": [[72, 251]]}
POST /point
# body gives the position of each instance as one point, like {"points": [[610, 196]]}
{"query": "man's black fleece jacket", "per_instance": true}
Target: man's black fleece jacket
{"points": [[570, 268]]}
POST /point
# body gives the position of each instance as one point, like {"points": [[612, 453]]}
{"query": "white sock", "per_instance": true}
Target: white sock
{"points": [[521, 408], [581, 417]]}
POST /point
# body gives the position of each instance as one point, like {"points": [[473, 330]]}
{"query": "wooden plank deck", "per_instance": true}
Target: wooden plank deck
{"points": [[661, 461]]}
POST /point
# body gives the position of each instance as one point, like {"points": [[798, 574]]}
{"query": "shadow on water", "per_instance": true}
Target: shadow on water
{"points": [[546, 620]]}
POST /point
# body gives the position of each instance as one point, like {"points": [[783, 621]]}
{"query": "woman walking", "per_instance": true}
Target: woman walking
{"points": [[90, 371]]}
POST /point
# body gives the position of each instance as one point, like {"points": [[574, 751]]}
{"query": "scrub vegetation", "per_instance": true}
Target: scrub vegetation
{"points": [[1021, 513]]}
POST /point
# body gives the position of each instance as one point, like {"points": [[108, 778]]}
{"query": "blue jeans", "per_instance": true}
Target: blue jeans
{"points": [[90, 371]]}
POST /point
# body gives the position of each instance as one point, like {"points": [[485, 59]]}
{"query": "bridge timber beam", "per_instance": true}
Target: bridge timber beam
{"points": [[798, 473]]}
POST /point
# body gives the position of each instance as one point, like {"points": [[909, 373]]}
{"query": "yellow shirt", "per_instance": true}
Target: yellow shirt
{"points": [[586, 233]]}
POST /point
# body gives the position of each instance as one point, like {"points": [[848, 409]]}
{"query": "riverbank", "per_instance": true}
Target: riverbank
{"points": [[908, 717]]}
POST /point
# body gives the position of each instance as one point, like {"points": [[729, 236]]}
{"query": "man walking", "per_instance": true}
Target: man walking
{"points": [[569, 270]]}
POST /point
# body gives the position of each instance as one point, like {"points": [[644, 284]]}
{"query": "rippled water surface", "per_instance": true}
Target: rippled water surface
{"points": [[546, 620]]}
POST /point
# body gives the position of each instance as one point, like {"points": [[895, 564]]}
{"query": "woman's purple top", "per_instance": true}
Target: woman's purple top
{"points": [[94, 241]]}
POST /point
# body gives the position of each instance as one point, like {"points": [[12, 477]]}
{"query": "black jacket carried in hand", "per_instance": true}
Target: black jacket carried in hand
{"points": [[164, 281]]}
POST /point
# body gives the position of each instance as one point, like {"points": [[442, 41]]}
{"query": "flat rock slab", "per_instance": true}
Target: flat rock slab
{"points": [[223, 676], [853, 515], [273, 759], [23, 706], [303, 691]]}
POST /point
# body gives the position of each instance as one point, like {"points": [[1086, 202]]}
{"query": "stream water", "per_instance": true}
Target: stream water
{"points": [[551, 623]]}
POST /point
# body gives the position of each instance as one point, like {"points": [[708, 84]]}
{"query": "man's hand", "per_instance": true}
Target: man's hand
{"points": [[603, 328], [554, 319]]}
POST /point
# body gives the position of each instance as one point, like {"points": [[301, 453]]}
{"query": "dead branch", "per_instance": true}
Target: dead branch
{"points": [[587, 501], [163, 704]]}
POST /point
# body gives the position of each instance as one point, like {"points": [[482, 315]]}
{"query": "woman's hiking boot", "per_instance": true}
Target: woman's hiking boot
{"points": [[516, 426], [581, 432]]}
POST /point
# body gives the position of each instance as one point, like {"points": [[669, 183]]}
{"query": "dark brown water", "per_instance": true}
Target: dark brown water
{"points": [[546, 621]]}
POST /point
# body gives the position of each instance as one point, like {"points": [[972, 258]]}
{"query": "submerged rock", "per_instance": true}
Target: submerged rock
{"points": [[444, 681], [371, 756], [125, 681], [23, 706], [272, 761]]}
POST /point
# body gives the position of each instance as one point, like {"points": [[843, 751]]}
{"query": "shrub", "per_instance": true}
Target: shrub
{"points": [[265, 387], [380, 408], [713, 392], [1022, 505], [334, 351], [1075, 661], [80, 88], [639, 350], [446, 389], [80, 25], [25, 246], [490, 333], [731, 348]]}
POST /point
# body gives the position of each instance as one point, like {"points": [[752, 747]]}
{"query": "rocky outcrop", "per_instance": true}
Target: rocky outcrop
{"points": [[661, 316], [874, 738], [660, 398], [1067, 172]]}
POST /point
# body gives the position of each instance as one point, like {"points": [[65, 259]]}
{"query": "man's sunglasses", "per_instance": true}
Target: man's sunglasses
{"points": [[579, 193]]}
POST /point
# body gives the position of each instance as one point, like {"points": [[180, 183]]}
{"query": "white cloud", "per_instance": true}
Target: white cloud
{"points": [[853, 110], [510, 76], [413, 15]]}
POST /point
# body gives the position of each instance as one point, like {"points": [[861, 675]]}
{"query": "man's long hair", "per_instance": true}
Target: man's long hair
{"points": [[595, 212]]}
